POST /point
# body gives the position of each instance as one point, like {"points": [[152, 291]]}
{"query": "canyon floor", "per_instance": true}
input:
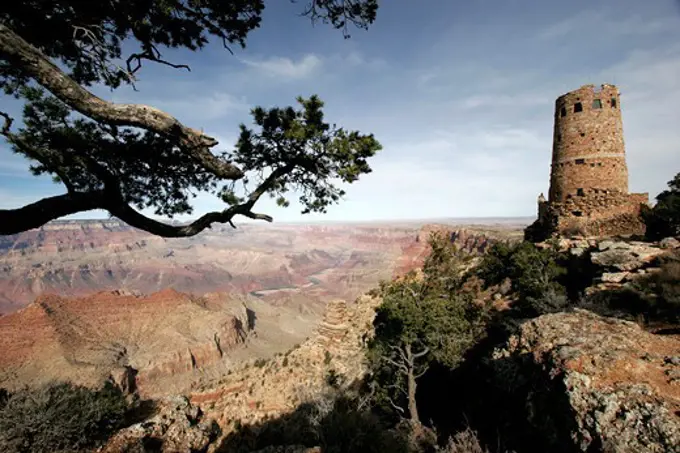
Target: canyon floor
{"points": [[87, 300]]}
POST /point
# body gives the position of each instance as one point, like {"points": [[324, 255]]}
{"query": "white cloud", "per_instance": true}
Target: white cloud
{"points": [[506, 100], [607, 25], [202, 108], [287, 67]]}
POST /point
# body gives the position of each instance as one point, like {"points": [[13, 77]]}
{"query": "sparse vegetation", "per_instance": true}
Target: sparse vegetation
{"points": [[463, 442], [652, 297], [60, 417]]}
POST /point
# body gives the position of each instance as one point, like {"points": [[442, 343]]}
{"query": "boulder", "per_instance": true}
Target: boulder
{"points": [[592, 383], [669, 243], [178, 427], [624, 256], [614, 277]]}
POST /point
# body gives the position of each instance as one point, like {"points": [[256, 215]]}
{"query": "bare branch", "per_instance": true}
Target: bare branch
{"points": [[421, 353], [421, 374], [398, 387], [401, 352], [151, 54], [402, 367], [33, 62], [97, 53], [395, 406]]}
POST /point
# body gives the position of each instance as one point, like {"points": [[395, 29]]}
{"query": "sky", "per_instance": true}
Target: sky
{"points": [[460, 94]]}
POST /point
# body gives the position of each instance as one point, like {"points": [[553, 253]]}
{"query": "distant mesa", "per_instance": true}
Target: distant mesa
{"points": [[589, 177]]}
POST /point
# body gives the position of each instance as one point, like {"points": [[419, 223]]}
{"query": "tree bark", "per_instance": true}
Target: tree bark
{"points": [[37, 214], [412, 386], [34, 215]]}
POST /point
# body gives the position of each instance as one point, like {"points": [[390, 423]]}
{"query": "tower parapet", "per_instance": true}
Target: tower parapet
{"points": [[589, 176]]}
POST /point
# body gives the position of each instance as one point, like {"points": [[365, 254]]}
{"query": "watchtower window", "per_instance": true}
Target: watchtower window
{"points": [[597, 104], [580, 161], [578, 107], [613, 103], [559, 138], [577, 213], [579, 192], [563, 112]]}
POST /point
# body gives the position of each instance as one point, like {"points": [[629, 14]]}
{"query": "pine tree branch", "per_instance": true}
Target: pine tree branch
{"points": [[36, 214], [31, 61]]}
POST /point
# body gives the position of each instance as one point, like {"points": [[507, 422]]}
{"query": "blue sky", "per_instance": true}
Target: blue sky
{"points": [[460, 94]]}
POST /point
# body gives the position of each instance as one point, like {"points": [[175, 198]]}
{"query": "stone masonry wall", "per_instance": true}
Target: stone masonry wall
{"points": [[588, 146], [599, 213]]}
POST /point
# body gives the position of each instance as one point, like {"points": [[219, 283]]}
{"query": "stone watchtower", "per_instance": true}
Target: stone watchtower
{"points": [[589, 177]]}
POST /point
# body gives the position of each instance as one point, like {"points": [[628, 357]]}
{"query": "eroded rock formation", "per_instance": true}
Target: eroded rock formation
{"points": [[334, 326], [138, 341]]}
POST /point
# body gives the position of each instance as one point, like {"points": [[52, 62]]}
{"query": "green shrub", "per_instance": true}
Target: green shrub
{"points": [[60, 417], [663, 220], [535, 274]]}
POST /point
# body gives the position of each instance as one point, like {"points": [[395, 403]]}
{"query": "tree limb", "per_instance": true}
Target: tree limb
{"points": [[402, 367], [421, 353], [34, 215], [395, 406], [151, 54], [30, 60]]}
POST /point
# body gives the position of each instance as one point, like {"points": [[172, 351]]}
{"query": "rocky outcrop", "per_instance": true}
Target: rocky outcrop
{"points": [[178, 427], [625, 256], [265, 389], [595, 384], [334, 327], [618, 262]]}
